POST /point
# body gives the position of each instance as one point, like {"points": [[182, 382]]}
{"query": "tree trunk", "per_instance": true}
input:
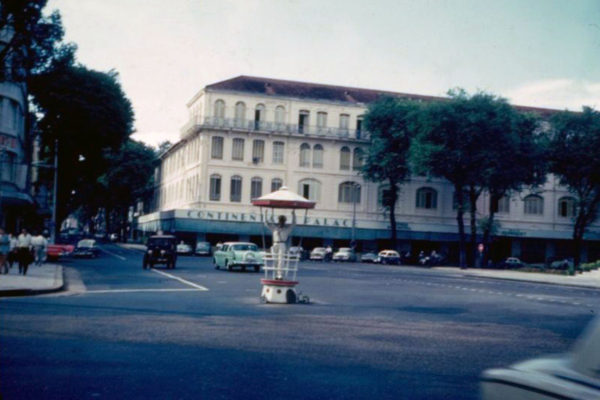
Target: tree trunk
{"points": [[487, 235], [461, 227], [473, 223], [392, 208]]}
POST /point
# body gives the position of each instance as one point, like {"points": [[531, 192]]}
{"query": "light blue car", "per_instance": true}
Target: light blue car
{"points": [[238, 254]]}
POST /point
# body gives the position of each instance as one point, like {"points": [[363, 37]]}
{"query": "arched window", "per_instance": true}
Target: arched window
{"points": [[357, 159], [427, 198], [566, 207], [235, 192], [255, 188], [276, 183], [305, 155], [259, 116], [310, 189], [502, 205], [534, 205], [345, 158], [240, 114], [216, 148], [349, 192], [279, 116], [219, 110], [318, 156], [278, 152]]}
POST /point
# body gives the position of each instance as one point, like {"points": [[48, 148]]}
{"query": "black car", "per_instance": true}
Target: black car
{"points": [[86, 248], [161, 249]]}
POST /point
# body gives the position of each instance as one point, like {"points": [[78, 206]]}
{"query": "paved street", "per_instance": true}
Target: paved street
{"points": [[370, 331]]}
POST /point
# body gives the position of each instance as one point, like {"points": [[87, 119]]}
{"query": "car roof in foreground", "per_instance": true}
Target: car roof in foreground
{"points": [[162, 237], [230, 243]]}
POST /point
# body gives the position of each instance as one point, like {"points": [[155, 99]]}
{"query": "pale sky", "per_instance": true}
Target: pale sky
{"points": [[538, 53]]}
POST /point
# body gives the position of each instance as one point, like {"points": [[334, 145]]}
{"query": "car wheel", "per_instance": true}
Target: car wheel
{"points": [[215, 263], [256, 268], [243, 268], [145, 264]]}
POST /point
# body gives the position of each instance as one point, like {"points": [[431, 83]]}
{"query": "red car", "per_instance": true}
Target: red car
{"points": [[54, 251]]}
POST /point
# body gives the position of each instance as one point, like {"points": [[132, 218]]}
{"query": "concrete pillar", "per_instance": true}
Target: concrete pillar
{"points": [[550, 249], [327, 242], [515, 247], [201, 237]]}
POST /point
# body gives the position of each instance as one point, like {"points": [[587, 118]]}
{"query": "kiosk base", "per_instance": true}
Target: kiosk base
{"points": [[279, 291]]}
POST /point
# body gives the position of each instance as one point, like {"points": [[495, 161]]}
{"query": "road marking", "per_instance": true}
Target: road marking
{"points": [[192, 284], [142, 290], [113, 254]]}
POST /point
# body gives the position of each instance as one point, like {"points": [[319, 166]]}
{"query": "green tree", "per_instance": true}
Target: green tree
{"points": [[574, 141], [128, 179], [391, 124], [86, 113], [449, 145], [515, 159], [163, 146]]}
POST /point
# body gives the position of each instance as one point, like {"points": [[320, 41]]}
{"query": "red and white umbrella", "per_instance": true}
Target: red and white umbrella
{"points": [[283, 198]]}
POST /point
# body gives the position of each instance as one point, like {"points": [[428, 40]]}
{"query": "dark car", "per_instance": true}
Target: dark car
{"points": [[86, 248], [161, 249]]}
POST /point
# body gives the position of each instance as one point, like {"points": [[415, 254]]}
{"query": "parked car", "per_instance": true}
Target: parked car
{"points": [[238, 254], [184, 248], [203, 249], [572, 375], [297, 250], [344, 254], [511, 262], [55, 251], [318, 254], [561, 263], [388, 257], [86, 248], [368, 257], [160, 249]]}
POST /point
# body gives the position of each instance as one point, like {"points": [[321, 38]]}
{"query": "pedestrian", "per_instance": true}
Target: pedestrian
{"points": [[24, 255], [4, 250], [39, 244], [12, 253], [328, 253]]}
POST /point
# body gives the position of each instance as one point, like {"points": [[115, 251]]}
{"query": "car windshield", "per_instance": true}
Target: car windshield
{"points": [[160, 242], [345, 250], [203, 245], [244, 247], [317, 249], [86, 243]]}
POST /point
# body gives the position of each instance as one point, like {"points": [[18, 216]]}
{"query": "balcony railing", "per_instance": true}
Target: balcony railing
{"points": [[273, 127]]}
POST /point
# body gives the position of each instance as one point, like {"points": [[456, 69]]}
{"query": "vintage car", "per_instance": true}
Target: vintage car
{"points": [[573, 375], [318, 254], [388, 257], [368, 257], [203, 249], [511, 262], [184, 248], [160, 249], [238, 254], [344, 254], [86, 248], [55, 251]]}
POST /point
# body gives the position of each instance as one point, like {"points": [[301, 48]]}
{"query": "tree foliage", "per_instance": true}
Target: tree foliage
{"points": [[33, 39], [574, 141], [87, 113], [391, 123]]}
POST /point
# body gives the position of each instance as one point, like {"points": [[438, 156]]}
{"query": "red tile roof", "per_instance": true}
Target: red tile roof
{"points": [[316, 91]]}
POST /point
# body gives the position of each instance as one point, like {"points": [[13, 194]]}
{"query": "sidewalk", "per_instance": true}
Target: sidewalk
{"points": [[585, 280], [132, 246], [39, 280]]}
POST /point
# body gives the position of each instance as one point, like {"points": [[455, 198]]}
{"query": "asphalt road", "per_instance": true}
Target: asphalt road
{"points": [[371, 331]]}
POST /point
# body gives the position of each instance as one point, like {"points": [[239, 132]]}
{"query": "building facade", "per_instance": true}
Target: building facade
{"points": [[249, 136]]}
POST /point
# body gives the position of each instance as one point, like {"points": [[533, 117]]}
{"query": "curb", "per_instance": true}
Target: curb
{"points": [[58, 276], [530, 281]]}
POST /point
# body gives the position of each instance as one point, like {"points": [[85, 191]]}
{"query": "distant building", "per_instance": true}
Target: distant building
{"points": [[249, 136]]}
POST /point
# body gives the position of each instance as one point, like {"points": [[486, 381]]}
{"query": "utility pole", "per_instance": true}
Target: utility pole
{"points": [[54, 193]]}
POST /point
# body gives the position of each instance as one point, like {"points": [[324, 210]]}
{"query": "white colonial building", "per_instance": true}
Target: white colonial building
{"points": [[248, 136]]}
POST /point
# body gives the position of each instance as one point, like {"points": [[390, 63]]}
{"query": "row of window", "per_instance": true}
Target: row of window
{"points": [[303, 115], [347, 157], [348, 192], [532, 205]]}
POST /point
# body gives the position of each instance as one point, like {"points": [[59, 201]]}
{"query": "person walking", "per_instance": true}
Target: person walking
{"points": [[39, 244], [4, 250], [12, 252], [24, 251]]}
